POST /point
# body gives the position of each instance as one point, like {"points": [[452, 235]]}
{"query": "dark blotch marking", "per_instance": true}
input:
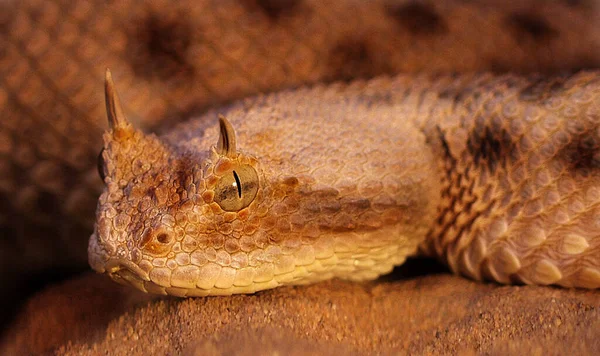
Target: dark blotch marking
{"points": [[490, 147], [160, 44], [290, 181], [150, 192], [183, 174], [273, 9], [418, 18], [361, 204], [543, 88], [356, 206], [446, 147], [529, 26], [582, 153], [458, 95], [352, 58]]}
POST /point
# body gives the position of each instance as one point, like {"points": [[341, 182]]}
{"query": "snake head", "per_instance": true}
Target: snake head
{"points": [[129, 161], [159, 206], [184, 216]]}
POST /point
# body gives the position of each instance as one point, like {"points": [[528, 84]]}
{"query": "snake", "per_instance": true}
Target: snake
{"points": [[467, 155], [493, 174]]}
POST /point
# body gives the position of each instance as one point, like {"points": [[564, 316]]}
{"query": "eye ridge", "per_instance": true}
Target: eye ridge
{"points": [[238, 184]]}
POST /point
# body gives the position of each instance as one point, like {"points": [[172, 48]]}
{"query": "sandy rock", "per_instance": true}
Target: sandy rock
{"points": [[432, 314]]}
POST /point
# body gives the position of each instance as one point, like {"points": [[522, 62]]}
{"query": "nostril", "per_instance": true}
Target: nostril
{"points": [[156, 241], [163, 238]]}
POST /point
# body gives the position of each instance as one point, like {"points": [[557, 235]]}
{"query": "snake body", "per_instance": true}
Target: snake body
{"points": [[496, 175], [175, 61]]}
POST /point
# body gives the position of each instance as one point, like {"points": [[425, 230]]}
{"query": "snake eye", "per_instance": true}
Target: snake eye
{"points": [[101, 165], [237, 189]]}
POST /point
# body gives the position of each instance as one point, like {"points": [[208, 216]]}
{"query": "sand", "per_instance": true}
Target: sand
{"points": [[431, 314]]}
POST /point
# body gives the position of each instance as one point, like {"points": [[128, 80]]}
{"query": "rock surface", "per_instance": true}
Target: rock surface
{"points": [[431, 314]]}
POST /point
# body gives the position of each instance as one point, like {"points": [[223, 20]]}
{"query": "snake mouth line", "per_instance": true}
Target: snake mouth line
{"points": [[125, 269]]}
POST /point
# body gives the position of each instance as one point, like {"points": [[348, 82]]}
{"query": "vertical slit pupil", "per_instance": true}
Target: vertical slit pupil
{"points": [[238, 184]]}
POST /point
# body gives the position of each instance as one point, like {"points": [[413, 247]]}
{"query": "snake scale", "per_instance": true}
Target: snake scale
{"points": [[494, 173]]}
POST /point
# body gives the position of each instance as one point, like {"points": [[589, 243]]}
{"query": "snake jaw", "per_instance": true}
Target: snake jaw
{"points": [[124, 269], [102, 261]]}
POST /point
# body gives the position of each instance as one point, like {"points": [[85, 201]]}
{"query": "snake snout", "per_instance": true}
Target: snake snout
{"points": [[97, 254]]}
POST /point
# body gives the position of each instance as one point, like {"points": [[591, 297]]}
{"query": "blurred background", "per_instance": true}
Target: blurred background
{"points": [[173, 60]]}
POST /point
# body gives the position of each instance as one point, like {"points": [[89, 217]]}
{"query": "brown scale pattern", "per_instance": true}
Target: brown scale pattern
{"points": [[53, 54], [497, 185], [520, 186], [348, 213]]}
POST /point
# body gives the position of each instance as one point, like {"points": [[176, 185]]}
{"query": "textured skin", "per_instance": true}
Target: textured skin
{"points": [[498, 176], [175, 60]]}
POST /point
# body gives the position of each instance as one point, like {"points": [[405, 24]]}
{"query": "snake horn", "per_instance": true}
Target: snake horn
{"points": [[226, 146], [114, 110]]}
